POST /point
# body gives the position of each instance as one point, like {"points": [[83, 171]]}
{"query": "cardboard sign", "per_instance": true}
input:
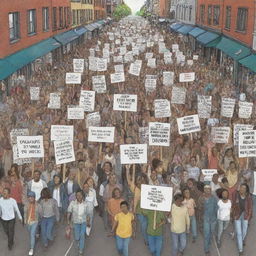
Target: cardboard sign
{"points": [[62, 132], [143, 135], [54, 102], [133, 153], [64, 152], [18, 132], [101, 134], [78, 65], [87, 100], [220, 134], [156, 198], [168, 78], [135, 69], [73, 78], [102, 64], [227, 107], [162, 108], [175, 47], [187, 77], [34, 93], [117, 59], [151, 63], [204, 106], [30, 146], [178, 95], [247, 144], [245, 109], [159, 134], [188, 124], [117, 78], [148, 55], [168, 58], [195, 57], [119, 68], [125, 102], [208, 174], [75, 113], [99, 84], [150, 84], [93, 119], [93, 63], [190, 62], [16, 158], [240, 127]]}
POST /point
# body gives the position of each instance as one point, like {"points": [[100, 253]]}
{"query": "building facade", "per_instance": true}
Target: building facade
{"points": [[99, 9]]}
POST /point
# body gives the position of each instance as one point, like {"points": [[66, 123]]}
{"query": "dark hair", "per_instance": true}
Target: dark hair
{"points": [[57, 175], [114, 191], [109, 163], [178, 196], [247, 187], [156, 163], [16, 170], [124, 203], [224, 180], [221, 192], [80, 191], [37, 171], [45, 193], [8, 189], [184, 189]]}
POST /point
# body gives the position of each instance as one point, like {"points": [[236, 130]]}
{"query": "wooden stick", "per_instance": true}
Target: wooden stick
{"points": [[33, 167], [161, 153], [64, 173], [125, 119], [154, 223]]}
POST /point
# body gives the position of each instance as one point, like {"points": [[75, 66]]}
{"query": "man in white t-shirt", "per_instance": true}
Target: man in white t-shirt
{"points": [[223, 215], [193, 170]]}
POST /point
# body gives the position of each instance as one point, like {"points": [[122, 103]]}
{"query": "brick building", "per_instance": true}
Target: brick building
{"points": [[99, 9]]}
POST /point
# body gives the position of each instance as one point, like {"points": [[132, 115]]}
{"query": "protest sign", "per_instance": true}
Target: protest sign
{"points": [[168, 58], [99, 84], [119, 68], [156, 198], [92, 52], [125, 102], [54, 102], [78, 65], [30, 146], [168, 78], [143, 135], [187, 77], [75, 113], [247, 144], [93, 119], [195, 57], [93, 63], [135, 69], [117, 59], [175, 47], [245, 109], [240, 127], [101, 134], [178, 95], [102, 64], [64, 152], [188, 124], [162, 108], [220, 134], [159, 134], [73, 78], [16, 158], [117, 78], [204, 106], [87, 100], [190, 62], [208, 173], [34, 93], [133, 153], [62, 132], [150, 84], [151, 63], [149, 55], [227, 107], [18, 132]]}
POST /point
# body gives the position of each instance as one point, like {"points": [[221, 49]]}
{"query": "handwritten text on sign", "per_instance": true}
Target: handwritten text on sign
{"points": [[62, 132], [64, 152], [30, 146], [125, 102], [133, 153], [188, 124], [247, 143], [101, 134], [159, 134]]}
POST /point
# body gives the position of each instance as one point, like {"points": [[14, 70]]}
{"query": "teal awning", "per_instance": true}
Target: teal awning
{"points": [[249, 62], [6, 69], [233, 49], [196, 32], [80, 31], [66, 37], [185, 29], [90, 27], [175, 26], [101, 22], [207, 38]]}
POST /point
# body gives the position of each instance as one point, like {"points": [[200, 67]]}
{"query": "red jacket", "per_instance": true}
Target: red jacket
{"points": [[236, 213]]}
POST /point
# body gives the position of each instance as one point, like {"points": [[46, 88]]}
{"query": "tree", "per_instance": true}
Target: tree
{"points": [[121, 11]]}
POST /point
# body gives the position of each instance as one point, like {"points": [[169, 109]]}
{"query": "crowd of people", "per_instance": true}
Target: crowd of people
{"points": [[41, 193]]}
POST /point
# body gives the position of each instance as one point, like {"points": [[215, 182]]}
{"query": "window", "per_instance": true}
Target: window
{"points": [[65, 16], [202, 11], [68, 15], [228, 17], [216, 15], [31, 21], [242, 17], [209, 15], [190, 13], [60, 17], [14, 26], [54, 18], [74, 17], [45, 18]]}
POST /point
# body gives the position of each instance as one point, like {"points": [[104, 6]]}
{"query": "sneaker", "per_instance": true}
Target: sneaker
{"points": [[31, 252]]}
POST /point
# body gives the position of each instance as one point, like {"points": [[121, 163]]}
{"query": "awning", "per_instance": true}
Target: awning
{"points": [[161, 20], [207, 38], [95, 25], [185, 29], [66, 37], [249, 62], [80, 31], [196, 32], [233, 49], [102, 22], [175, 26], [6, 69], [90, 27]]}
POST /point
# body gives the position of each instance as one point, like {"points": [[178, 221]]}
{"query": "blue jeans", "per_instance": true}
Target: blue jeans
{"points": [[143, 226], [209, 230], [79, 233], [47, 228], [241, 226], [179, 241], [122, 245], [32, 234], [222, 225], [193, 226], [155, 245]]}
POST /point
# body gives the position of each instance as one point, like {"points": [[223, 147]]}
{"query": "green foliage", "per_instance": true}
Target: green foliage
{"points": [[121, 11]]}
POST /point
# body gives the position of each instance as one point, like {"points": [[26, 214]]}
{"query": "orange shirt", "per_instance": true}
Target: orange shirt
{"points": [[114, 206]]}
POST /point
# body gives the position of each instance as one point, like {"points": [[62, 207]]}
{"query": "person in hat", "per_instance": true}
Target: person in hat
{"points": [[32, 215]]}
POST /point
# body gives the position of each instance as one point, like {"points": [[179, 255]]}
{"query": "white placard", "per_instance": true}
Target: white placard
{"points": [[150, 84], [175, 47], [16, 158], [87, 100], [99, 84], [119, 68], [18, 132], [133, 153], [134, 69], [178, 95], [247, 144], [54, 102], [188, 124], [227, 107], [64, 152], [93, 63], [148, 55], [162, 108], [62, 132], [156, 198], [220, 134], [159, 134], [208, 174], [75, 113], [78, 65], [93, 119], [245, 109], [34, 93], [187, 77], [30, 146], [204, 106], [117, 78], [151, 63], [101, 134], [240, 127], [125, 102], [254, 189], [102, 64], [168, 78], [190, 62], [117, 59], [73, 78], [195, 57]]}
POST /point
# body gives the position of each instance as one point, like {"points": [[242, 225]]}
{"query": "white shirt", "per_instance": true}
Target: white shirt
{"points": [[56, 196], [193, 172], [37, 188], [224, 210], [8, 207], [70, 187]]}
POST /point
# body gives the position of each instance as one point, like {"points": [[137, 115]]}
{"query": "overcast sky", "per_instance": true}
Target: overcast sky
{"points": [[135, 5]]}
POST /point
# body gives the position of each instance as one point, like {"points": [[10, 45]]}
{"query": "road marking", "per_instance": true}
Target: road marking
{"points": [[66, 254]]}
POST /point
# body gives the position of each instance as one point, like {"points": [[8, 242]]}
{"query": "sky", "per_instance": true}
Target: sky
{"points": [[135, 5]]}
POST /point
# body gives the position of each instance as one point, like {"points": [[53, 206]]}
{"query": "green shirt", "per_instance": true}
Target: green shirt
{"points": [[160, 216]]}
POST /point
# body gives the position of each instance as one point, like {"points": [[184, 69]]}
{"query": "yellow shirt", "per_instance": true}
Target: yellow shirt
{"points": [[232, 178], [124, 227], [180, 221]]}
